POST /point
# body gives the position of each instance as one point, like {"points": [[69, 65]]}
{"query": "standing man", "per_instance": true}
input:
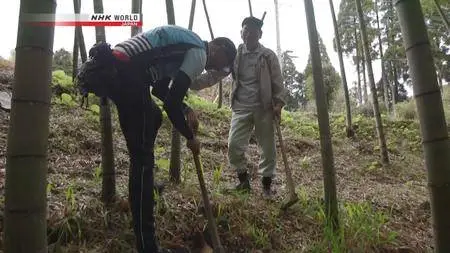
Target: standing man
{"points": [[257, 98], [125, 74]]}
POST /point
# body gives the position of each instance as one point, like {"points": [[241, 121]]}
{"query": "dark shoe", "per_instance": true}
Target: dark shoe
{"points": [[267, 191], [244, 183]]}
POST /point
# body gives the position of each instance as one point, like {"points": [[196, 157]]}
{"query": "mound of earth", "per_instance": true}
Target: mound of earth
{"points": [[6, 80], [6, 74]]}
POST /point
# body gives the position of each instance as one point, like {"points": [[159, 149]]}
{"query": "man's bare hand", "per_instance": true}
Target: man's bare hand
{"points": [[277, 112], [194, 145]]}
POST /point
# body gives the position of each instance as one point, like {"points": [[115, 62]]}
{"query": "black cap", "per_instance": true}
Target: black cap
{"points": [[253, 21], [228, 46]]}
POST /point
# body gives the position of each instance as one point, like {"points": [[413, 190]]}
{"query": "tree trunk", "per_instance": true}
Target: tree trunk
{"points": [[80, 41], [385, 86], [358, 70], [220, 95], [350, 132], [376, 110], [25, 223], [136, 7], [383, 71], [175, 150], [207, 19], [391, 42], [175, 156], [323, 119], [79, 33], [364, 85], [250, 7], [191, 16], [277, 28], [444, 18], [79, 47], [191, 24], [359, 89], [394, 86], [391, 86], [434, 132], [75, 54], [388, 69], [170, 12], [76, 44], [439, 78], [108, 171]]}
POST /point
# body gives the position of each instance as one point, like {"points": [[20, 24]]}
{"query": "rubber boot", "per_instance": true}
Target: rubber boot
{"points": [[244, 183], [267, 182]]}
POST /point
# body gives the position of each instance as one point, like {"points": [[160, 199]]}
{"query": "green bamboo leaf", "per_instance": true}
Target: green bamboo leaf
{"points": [[95, 109], [66, 99]]}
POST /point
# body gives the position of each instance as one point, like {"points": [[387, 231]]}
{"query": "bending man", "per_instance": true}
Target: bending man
{"points": [[124, 74]]}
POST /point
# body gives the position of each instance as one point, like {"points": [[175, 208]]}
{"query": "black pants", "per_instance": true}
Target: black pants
{"points": [[140, 119]]}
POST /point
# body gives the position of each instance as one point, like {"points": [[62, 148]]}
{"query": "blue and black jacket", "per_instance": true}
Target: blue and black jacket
{"points": [[158, 55]]}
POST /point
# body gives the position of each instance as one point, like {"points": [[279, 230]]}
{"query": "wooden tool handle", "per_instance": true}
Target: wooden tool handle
{"points": [[289, 179], [209, 213]]}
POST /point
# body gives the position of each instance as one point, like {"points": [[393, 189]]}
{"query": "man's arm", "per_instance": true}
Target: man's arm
{"points": [[278, 89], [208, 79], [192, 66], [161, 89], [173, 104]]}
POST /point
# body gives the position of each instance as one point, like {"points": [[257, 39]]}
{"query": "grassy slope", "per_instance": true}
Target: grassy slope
{"points": [[380, 208]]}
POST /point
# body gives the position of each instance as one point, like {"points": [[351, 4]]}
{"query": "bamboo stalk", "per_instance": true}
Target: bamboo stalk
{"points": [[349, 127], [376, 109], [219, 96], [108, 171], [329, 177], [25, 223], [430, 109]]}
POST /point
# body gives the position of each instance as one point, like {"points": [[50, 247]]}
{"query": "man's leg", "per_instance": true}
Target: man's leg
{"points": [[139, 120], [140, 184], [265, 136], [238, 138], [153, 120]]}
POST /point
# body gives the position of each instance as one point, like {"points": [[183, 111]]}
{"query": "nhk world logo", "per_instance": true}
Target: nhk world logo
{"points": [[96, 19]]}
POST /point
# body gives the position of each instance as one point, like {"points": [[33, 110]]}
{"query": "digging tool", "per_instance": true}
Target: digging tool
{"points": [[263, 16], [293, 198], [209, 213]]}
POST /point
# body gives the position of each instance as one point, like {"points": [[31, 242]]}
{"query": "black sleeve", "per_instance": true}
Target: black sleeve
{"points": [[160, 90], [174, 106]]}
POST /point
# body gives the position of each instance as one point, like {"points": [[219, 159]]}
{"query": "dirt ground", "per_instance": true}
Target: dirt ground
{"points": [[381, 209]]}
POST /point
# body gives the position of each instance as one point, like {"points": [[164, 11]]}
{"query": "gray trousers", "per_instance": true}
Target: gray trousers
{"points": [[242, 124]]}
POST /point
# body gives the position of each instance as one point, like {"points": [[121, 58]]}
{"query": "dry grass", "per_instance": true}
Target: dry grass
{"points": [[381, 209]]}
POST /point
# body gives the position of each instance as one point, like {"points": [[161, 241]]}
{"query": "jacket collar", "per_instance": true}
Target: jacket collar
{"points": [[257, 49]]}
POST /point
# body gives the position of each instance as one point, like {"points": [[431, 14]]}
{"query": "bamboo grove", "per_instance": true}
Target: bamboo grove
{"points": [[410, 39]]}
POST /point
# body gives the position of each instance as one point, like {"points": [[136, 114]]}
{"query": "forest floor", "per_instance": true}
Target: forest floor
{"points": [[381, 209]]}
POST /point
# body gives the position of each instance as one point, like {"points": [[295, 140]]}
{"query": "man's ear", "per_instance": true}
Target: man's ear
{"points": [[260, 34]]}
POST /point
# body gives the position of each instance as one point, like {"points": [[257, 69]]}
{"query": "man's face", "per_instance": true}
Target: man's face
{"points": [[218, 58], [250, 34]]}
